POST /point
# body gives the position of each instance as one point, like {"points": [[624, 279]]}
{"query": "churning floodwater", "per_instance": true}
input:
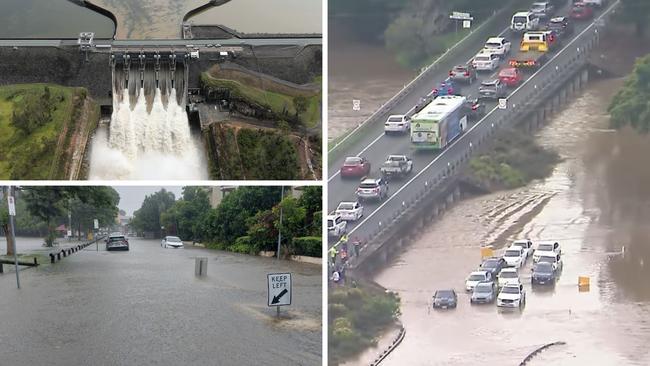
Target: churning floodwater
{"points": [[149, 135]]}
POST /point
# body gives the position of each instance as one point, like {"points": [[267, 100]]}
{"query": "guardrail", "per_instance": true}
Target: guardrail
{"points": [[57, 256], [446, 59], [391, 347], [571, 58], [538, 351]]}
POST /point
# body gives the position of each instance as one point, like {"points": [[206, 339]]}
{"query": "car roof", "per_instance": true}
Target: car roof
{"points": [[370, 181], [551, 242]]}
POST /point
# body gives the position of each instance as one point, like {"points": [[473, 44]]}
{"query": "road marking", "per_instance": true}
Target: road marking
{"points": [[479, 122]]}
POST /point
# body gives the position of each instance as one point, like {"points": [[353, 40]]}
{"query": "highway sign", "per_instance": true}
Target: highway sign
{"points": [[96, 224], [503, 103], [460, 16], [467, 24], [356, 105], [12, 205], [279, 285]]}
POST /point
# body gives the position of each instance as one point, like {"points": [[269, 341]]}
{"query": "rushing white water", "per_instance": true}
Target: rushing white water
{"points": [[147, 143]]}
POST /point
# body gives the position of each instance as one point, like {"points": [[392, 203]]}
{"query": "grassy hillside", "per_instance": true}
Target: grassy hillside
{"points": [[37, 124], [283, 105]]}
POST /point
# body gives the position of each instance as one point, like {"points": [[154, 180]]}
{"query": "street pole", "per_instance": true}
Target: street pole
{"points": [[280, 228], [13, 234]]}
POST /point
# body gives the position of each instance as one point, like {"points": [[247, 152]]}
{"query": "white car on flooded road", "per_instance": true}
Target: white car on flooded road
{"points": [[508, 276], [475, 277], [336, 226], [546, 248], [171, 242], [514, 257], [349, 211], [524, 244], [512, 296]]}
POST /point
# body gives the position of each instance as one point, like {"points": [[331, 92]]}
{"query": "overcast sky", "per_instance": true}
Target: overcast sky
{"points": [[131, 197]]}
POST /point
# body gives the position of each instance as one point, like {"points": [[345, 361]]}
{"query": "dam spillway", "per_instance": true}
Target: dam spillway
{"points": [[149, 135]]}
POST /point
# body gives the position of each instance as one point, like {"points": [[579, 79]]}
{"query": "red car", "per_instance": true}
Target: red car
{"points": [[511, 76], [355, 166], [581, 11]]}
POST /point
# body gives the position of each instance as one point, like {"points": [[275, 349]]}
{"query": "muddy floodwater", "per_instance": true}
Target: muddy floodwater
{"points": [[353, 77], [596, 204]]}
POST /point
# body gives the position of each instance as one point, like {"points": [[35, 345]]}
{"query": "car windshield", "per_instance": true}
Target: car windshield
{"points": [[330, 223], [116, 238], [394, 119], [508, 274], [489, 84], [476, 277], [368, 185], [352, 161], [510, 290], [543, 267], [545, 247], [444, 294], [512, 253], [346, 206], [520, 19], [492, 45], [173, 239], [489, 264], [483, 288], [546, 259]]}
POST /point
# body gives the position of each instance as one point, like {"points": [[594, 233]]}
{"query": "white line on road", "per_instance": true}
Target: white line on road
{"points": [[478, 123]]}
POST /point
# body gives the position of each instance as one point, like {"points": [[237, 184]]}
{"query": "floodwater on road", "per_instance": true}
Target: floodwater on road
{"points": [[361, 71], [146, 307], [596, 204]]}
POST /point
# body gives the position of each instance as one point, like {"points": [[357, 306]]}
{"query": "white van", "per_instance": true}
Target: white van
{"points": [[524, 21], [336, 226]]}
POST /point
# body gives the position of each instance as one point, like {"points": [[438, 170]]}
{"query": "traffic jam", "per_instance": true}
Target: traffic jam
{"points": [[497, 280], [442, 115]]}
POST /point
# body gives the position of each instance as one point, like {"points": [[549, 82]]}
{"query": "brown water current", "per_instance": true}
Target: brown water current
{"points": [[596, 204]]}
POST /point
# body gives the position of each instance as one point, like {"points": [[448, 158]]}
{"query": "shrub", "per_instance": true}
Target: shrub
{"points": [[308, 245]]}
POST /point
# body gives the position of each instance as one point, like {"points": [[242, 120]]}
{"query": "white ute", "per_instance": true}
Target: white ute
{"points": [[350, 211], [526, 245], [514, 257], [397, 123], [546, 247], [498, 45], [475, 277], [508, 276], [512, 296], [336, 226]]}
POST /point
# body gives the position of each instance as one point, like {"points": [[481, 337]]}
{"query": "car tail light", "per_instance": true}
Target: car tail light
{"points": [[475, 107], [466, 73], [451, 73]]}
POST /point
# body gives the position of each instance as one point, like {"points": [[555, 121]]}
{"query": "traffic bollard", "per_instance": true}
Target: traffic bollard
{"points": [[201, 266]]}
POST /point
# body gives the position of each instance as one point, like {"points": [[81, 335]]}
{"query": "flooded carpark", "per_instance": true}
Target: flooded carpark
{"points": [[146, 307], [595, 204]]}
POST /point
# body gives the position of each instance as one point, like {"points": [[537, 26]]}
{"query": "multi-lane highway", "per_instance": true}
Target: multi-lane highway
{"points": [[376, 146]]}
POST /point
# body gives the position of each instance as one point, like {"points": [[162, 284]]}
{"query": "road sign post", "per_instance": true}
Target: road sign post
{"points": [[356, 104], [95, 227], [466, 18], [503, 103], [12, 213], [279, 290]]}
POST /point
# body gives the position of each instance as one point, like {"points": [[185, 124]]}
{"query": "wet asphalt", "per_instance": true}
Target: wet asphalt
{"points": [[146, 307]]}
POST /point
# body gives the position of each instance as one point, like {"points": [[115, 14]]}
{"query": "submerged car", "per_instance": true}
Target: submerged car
{"points": [[514, 257], [508, 276], [493, 265], [475, 278], [543, 274], [171, 242], [512, 296], [117, 242], [444, 299], [484, 293]]}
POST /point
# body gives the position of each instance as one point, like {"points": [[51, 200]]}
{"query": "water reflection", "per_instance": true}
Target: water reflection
{"points": [[50, 19]]}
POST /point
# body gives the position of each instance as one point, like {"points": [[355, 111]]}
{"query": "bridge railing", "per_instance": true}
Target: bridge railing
{"points": [[571, 58], [443, 62]]}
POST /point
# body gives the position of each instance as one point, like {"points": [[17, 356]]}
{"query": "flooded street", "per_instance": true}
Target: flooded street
{"points": [[146, 307], [353, 77], [596, 204]]}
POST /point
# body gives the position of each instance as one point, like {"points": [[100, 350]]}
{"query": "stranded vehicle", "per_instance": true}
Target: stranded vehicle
{"points": [[444, 299], [534, 48], [512, 296], [370, 189], [397, 165], [511, 77], [524, 21], [117, 242], [355, 166], [336, 226], [498, 45], [492, 89], [486, 60], [397, 123], [463, 73], [171, 242], [349, 211]]}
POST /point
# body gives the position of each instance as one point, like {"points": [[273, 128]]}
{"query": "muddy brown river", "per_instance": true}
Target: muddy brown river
{"points": [[596, 204]]}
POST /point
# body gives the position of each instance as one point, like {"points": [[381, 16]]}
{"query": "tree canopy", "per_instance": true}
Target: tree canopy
{"points": [[631, 106], [149, 216]]}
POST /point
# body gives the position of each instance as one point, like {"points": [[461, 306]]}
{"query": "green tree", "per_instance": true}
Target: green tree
{"points": [[300, 103], [630, 107], [148, 217], [185, 216], [33, 110], [312, 201]]}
